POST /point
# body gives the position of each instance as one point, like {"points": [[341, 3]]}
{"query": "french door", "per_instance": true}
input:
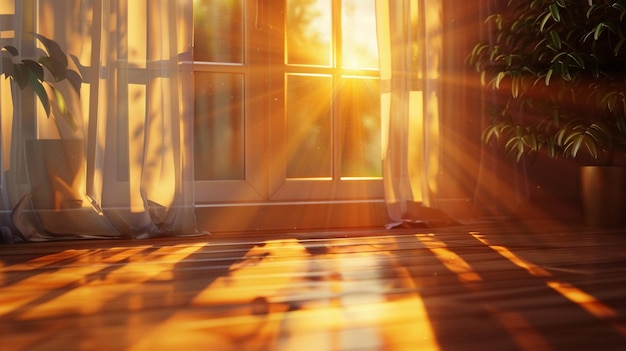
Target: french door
{"points": [[286, 102]]}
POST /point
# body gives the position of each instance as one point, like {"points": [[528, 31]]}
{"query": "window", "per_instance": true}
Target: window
{"points": [[286, 100]]}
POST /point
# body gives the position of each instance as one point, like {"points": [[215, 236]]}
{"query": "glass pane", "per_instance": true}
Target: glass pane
{"points": [[219, 134], [218, 30], [359, 45], [359, 108], [309, 28], [308, 126]]}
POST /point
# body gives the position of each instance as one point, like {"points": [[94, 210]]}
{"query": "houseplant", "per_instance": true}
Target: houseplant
{"points": [[560, 69], [56, 167]]}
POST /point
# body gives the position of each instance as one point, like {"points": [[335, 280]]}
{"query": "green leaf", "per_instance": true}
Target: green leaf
{"points": [[12, 50], [576, 144], [34, 68], [545, 20], [601, 27], [549, 76], [54, 50], [580, 62], [499, 79], [531, 141], [491, 132], [59, 101], [611, 100], [41, 93], [592, 148], [56, 67], [533, 4], [598, 31], [591, 10], [515, 147], [587, 36], [61, 105], [621, 124], [558, 57], [515, 85], [554, 11], [589, 137], [556, 39], [75, 80], [565, 71], [553, 148], [20, 75], [618, 46]]}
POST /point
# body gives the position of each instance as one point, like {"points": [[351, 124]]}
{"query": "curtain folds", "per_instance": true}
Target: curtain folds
{"points": [[409, 45], [134, 171]]}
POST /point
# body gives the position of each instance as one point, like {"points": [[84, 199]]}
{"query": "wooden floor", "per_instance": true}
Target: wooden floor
{"points": [[507, 286]]}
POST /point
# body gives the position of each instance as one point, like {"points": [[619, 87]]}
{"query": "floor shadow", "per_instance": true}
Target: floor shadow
{"points": [[476, 297]]}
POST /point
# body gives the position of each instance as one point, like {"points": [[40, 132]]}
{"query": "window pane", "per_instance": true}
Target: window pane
{"points": [[359, 109], [308, 126], [309, 28], [359, 45], [218, 30], [219, 134]]}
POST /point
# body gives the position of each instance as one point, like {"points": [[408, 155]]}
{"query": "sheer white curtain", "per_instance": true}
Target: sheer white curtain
{"points": [[10, 187], [136, 119], [409, 45]]}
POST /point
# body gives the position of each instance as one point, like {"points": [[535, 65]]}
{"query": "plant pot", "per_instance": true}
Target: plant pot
{"points": [[57, 173], [603, 196]]}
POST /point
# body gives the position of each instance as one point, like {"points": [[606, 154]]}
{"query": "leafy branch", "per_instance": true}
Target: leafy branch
{"points": [[25, 72]]}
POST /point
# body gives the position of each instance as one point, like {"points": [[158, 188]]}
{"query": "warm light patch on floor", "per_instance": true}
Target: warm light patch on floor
{"points": [[280, 297], [451, 260], [93, 291], [520, 329], [16, 296], [515, 259], [584, 300], [396, 290]]}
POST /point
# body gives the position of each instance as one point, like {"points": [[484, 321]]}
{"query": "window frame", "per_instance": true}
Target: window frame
{"points": [[265, 70]]}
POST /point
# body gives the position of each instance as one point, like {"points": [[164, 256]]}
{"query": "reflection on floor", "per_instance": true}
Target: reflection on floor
{"points": [[532, 286]]}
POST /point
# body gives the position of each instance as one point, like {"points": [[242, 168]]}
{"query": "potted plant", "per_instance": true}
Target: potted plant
{"points": [[55, 167], [562, 64]]}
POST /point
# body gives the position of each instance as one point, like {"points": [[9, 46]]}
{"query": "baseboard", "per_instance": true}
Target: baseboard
{"points": [[291, 216]]}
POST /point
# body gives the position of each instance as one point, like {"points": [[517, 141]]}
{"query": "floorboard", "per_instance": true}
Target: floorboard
{"points": [[484, 286]]}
